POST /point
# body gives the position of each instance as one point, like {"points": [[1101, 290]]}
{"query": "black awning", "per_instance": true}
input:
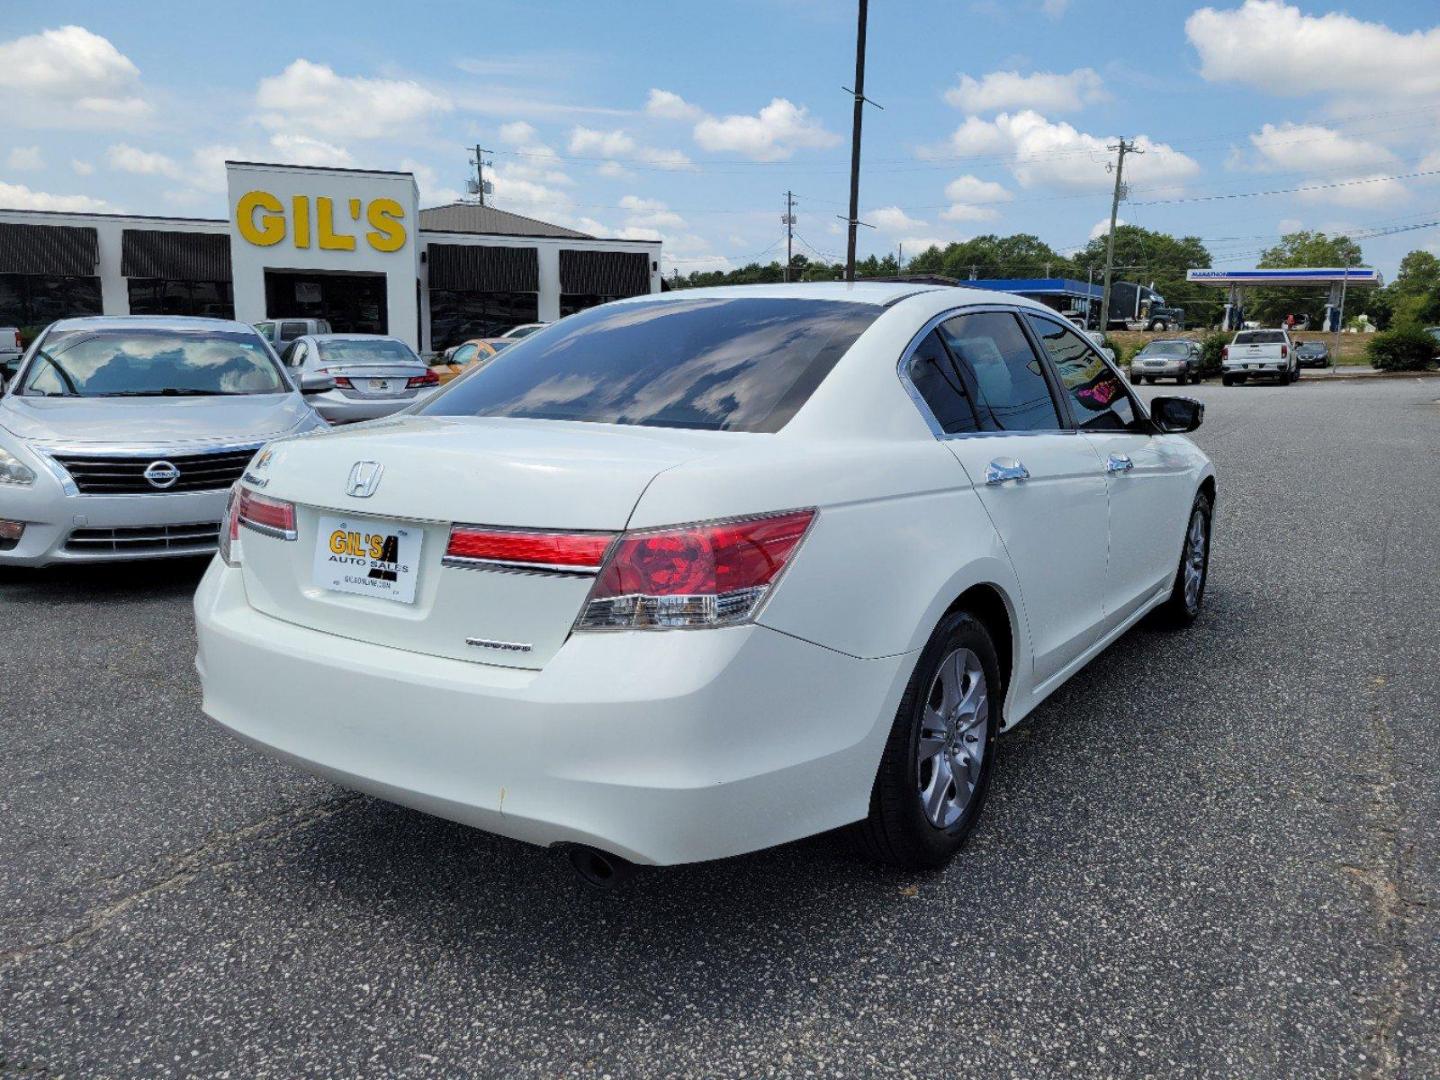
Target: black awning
{"points": [[481, 268], [604, 273], [175, 256], [62, 250]]}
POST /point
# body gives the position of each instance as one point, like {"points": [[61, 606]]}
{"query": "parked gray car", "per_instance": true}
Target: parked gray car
{"points": [[374, 375], [1174, 358], [120, 437]]}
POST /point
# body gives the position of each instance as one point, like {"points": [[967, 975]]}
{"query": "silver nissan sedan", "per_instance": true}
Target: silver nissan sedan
{"points": [[121, 436]]}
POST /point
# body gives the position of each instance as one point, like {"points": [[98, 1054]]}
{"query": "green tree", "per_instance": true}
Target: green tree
{"points": [[1145, 256], [1414, 295], [1304, 248]]}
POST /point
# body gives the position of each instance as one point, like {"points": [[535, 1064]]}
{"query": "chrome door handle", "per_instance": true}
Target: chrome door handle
{"points": [[1119, 463], [1002, 469]]}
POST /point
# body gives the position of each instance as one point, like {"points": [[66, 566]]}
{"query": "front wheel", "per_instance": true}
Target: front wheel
{"points": [[935, 771], [1227, 380], [1188, 595]]}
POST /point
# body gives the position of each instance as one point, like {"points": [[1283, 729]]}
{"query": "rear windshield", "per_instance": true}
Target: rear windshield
{"points": [[1165, 348], [1260, 337], [366, 351], [722, 364], [151, 363]]}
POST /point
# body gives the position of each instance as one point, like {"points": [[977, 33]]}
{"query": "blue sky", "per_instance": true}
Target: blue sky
{"points": [[688, 121]]}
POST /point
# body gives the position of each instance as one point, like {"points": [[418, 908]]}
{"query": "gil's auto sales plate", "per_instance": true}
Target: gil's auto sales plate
{"points": [[368, 557]]}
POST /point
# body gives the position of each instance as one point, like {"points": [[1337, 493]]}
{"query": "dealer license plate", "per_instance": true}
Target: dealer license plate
{"points": [[368, 557]]}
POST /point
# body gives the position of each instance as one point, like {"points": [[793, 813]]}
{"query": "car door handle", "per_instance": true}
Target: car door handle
{"points": [[1119, 463], [1002, 469]]}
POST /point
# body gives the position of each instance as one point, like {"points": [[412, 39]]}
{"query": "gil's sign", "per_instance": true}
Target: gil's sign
{"points": [[264, 220]]}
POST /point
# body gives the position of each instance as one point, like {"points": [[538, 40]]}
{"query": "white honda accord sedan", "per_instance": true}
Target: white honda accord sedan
{"points": [[693, 574]]}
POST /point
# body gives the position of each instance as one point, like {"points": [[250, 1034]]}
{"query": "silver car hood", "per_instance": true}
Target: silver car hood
{"points": [[155, 421]]}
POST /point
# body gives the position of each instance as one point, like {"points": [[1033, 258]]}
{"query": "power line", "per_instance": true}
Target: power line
{"points": [[1288, 191]]}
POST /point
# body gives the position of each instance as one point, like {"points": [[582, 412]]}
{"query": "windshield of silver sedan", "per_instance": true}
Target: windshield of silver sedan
{"points": [[150, 363]]}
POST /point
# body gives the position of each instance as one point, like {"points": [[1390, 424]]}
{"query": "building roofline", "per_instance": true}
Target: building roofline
{"points": [[118, 217], [321, 168]]}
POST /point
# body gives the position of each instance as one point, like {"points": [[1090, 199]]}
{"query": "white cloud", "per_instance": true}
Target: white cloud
{"points": [[1102, 227], [1048, 91], [1288, 225], [432, 191], [207, 166], [650, 214], [82, 168], [310, 96], [70, 75], [1290, 147], [517, 133], [1278, 48], [590, 142], [1055, 9], [614, 170], [891, 219], [917, 244], [20, 197], [971, 199], [772, 134], [1056, 155], [666, 105], [130, 159], [306, 150], [25, 158]]}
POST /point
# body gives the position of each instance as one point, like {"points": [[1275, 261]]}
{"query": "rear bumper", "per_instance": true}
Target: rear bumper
{"points": [[662, 747], [340, 408]]}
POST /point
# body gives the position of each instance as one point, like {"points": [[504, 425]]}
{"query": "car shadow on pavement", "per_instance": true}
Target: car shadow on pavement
{"points": [[159, 579]]}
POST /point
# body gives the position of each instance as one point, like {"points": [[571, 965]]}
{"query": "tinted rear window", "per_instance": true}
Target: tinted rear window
{"points": [[721, 364], [1166, 348], [366, 351], [1260, 337]]}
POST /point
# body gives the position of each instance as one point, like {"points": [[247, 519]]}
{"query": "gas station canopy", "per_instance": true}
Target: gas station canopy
{"points": [[1338, 278]]}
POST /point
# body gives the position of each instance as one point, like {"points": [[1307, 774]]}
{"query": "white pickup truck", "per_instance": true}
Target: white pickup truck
{"points": [[1259, 354]]}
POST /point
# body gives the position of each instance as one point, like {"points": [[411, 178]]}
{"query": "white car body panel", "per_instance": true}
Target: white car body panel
{"points": [[678, 745]]}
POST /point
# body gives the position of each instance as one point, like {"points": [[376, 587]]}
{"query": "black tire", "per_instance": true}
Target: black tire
{"points": [[1162, 326], [897, 830], [1227, 380], [1178, 611]]}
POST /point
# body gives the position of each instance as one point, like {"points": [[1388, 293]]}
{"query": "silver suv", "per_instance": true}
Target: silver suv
{"points": [[120, 437]]}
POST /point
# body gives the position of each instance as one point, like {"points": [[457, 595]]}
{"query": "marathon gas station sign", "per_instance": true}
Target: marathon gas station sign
{"points": [[324, 221]]}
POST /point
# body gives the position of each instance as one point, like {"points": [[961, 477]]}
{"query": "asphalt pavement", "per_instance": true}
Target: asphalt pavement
{"points": [[1212, 853]]}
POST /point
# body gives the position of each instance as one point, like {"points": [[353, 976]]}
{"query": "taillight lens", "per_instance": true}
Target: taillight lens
{"points": [[696, 576], [342, 381], [527, 549], [272, 517], [1225, 352], [430, 378], [1284, 351]]}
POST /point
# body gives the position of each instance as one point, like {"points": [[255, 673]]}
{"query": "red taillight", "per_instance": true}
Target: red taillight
{"points": [[266, 515], [341, 380], [1225, 352], [1284, 351], [533, 549], [430, 378], [699, 575], [18, 345]]}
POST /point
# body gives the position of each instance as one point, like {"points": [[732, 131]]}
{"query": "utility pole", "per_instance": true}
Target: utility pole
{"points": [[1123, 148], [859, 92], [789, 220], [480, 186]]}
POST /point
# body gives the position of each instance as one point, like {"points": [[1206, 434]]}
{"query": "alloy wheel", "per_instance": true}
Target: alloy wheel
{"points": [[951, 746], [1194, 569]]}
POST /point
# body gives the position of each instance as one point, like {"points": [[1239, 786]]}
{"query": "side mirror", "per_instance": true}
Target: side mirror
{"points": [[1176, 415], [312, 382]]}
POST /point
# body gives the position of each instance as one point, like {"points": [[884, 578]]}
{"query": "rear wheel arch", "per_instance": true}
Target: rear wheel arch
{"points": [[990, 605]]}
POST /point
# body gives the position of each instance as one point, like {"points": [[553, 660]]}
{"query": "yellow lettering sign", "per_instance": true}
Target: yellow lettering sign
{"points": [[261, 220], [271, 227]]}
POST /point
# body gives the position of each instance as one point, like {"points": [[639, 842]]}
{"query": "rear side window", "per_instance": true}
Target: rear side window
{"points": [[1097, 396], [723, 364], [1011, 388], [935, 379], [1260, 337], [290, 330]]}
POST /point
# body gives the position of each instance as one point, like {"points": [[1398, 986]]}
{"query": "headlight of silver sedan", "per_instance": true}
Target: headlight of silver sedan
{"points": [[14, 471]]}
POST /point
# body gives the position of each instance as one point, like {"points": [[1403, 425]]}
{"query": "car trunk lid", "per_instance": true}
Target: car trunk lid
{"points": [[433, 473]]}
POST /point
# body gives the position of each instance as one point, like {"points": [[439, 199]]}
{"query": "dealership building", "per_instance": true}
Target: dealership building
{"points": [[348, 245]]}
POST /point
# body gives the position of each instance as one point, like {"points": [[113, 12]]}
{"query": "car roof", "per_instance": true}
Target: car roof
{"points": [[192, 323], [879, 293]]}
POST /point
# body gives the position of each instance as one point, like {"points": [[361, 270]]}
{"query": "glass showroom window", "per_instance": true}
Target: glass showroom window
{"points": [[36, 300], [159, 296], [570, 303], [457, 314]]}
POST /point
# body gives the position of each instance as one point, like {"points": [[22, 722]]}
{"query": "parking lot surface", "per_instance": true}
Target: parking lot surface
{"points": [[1212, 853]]}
